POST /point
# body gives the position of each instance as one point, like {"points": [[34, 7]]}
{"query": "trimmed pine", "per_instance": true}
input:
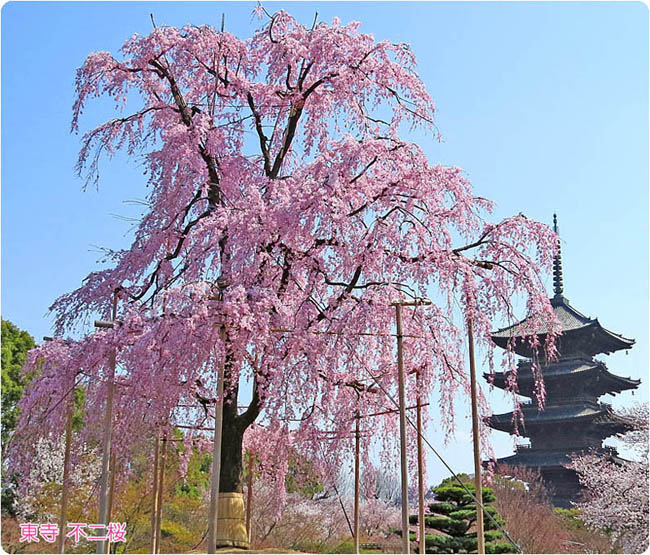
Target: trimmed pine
{"points": [[455, 514]]}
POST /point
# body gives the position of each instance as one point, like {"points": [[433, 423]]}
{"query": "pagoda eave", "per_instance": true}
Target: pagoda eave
{"points": [[552, 458], [536, 459], [592, 338], [599, 415], [576, 329], [598, 379]]}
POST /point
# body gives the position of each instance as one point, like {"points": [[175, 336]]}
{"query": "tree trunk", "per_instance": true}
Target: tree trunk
{"points": [[233, 428], [231, 524], [231, 451]]}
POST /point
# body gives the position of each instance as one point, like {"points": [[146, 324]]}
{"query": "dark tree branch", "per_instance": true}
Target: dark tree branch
{"points": [[260, 133]]}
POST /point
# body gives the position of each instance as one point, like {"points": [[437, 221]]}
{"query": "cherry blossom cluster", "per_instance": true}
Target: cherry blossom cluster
{"points": [[616, 493]]}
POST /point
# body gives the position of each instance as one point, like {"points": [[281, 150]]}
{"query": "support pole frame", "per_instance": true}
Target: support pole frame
{"points": [[480, 535], [213, 516], [66, 475], [161, 483], [111, 493], [249, 497], [357, 449], [421, 532], [106, 442], [402, 432], [154, 495]]}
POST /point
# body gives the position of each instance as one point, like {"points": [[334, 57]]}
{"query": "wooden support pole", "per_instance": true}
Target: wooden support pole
{"points": [[106, 443], [406, 544], [154, 496], [402, 433], [476, 440], [421, 533], [357, 444], [161, 483], [66, 474], [111, 493], [216, 455], [249, 497]]}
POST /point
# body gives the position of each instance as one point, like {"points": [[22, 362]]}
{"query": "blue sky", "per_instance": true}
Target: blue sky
{"points": [[544, 105]]}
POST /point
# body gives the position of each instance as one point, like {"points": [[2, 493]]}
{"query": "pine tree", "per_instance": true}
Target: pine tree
{"points": [[450, 526]]}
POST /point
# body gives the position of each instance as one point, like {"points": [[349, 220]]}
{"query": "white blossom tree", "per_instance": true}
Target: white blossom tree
{"points": [[616, 494]]}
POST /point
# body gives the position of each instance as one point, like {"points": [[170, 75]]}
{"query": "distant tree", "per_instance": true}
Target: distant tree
{"points": [[44, 476], [184, 511], [302, 476], [454, 515], [524, 503], [616, 494], [301, 523], [379, 483], [582, 538], [15, 344], [378, 517]]}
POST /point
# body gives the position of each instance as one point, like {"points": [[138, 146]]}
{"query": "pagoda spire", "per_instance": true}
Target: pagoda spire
{"points": [[558, 286]]}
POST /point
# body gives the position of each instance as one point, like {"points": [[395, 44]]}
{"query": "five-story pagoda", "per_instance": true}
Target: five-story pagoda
{"points": [[572, 419]]}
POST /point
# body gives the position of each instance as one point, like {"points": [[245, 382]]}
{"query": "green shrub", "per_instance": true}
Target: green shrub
{"points": [[489, 524], [433, 540], [442, 508], [446, 524], [398, 531], [493, 535], [346, 546], [501, 547], [464, 514], [455, 513]]}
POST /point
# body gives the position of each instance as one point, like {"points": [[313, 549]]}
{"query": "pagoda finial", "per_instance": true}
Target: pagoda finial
{"points": [[558, 286]]}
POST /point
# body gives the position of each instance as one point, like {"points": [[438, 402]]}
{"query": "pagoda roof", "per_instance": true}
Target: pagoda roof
{"points": [[538, 459], [581, 368], [599, 413], [573, 324], [545, 458]]}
